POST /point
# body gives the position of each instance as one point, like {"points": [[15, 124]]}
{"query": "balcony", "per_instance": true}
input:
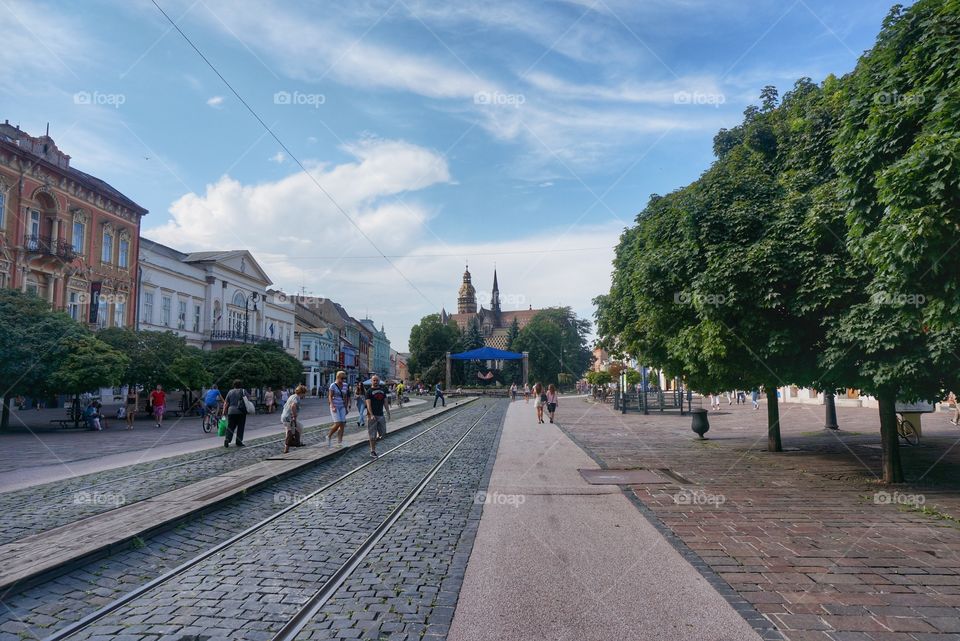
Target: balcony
{"points": [[233, 336], [44, 245]]}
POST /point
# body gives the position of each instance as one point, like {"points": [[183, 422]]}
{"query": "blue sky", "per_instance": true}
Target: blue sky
{"points": [[526, 134]]}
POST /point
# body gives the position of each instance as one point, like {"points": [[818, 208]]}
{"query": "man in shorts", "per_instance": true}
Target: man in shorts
{"points": [[376, 423], [158, 401]]}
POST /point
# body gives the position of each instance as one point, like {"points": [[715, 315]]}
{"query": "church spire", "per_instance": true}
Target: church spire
{"points": [[495, 297]]}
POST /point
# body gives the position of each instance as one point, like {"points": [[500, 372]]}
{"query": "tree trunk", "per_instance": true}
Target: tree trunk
{"points": [[75, 410], [5, 418], [773, 419], [892, 469]]}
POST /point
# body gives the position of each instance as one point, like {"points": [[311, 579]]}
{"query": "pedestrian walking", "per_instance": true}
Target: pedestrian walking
{"points": [[132, 401], [730, 397], [270, 400], [375, 400], [236, 404], [401, 388], [715, 401], [360, 394], [289, 417], [741, 397], [952, 400], [92, 416], [526, 392], [158, 404], [539, 399], [755, 397], [438, 395], [513, 392], [551, 401], [339, 398]]}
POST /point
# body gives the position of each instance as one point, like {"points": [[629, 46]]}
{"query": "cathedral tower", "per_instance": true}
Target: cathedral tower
{"points": [[467, 301]]}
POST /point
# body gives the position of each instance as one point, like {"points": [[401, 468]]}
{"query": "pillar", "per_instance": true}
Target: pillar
{"points": [[526, 367], [447, 380]]}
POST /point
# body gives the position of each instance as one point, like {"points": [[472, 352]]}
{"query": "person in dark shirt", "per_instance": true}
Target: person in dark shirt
{"points": [[376, 423]]}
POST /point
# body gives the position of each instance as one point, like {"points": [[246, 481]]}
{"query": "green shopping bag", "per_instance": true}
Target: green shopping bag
{"points": [[222, 427]]}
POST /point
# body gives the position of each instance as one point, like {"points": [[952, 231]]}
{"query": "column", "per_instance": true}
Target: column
{"points": [[448, 371], [526, 367]]}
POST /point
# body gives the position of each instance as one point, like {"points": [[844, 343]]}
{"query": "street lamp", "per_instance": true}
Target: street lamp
{"points": [[246, 314]]}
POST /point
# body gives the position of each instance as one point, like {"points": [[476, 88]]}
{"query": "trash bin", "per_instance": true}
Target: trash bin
{"points": [[700, 423]]}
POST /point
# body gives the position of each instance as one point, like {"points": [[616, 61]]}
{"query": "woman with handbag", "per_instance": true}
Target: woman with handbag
{"points": [[292, 427], [237, 408]]}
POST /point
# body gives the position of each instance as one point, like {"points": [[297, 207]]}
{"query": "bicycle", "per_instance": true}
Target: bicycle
{"points": [[210, 419], [907, 431]]}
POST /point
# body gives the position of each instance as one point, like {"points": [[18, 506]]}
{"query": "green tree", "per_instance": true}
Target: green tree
{"points": [[32, 344], [151, 356], [430, 340], [87, 363], [556, 341]]}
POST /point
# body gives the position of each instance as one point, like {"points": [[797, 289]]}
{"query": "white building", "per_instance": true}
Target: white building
{"points": [[211, 298]]}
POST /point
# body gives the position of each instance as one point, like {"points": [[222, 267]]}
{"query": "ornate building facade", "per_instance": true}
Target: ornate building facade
{"points": [[494, 323], [65, 235]]}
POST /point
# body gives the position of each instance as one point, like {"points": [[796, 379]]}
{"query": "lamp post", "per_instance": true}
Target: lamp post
{"points": [[246, 314]]}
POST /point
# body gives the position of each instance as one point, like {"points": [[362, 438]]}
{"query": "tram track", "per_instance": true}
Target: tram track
{"points": [[263, 529]]}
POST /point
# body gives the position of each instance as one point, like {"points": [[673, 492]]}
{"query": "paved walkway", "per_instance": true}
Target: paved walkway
{"points": [[808, 535], [29, 458], [556, 558]]}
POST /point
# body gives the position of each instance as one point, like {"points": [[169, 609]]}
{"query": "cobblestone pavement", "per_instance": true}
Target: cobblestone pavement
{"points": [[407, 588], [807, 536], [38, 611], [254, 586], [39, 508]]}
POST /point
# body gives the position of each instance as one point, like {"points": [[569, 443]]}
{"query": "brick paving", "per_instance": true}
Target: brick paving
{"points": [[808, 536]]}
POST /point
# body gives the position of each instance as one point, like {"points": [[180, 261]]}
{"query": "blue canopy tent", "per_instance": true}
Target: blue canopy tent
{"points": [[489, 354]]}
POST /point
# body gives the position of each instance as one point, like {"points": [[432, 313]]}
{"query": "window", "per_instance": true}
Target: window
{"points": [[78, 232], [181, 314], [165, 304], [124, 252], [119, 314], [3, 210], [101, 312], [73, 305], [196, 318], [33, 230], [148, 307], [107, 254]]}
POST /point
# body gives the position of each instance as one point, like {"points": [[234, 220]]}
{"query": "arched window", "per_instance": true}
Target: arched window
{"points": [[239, 299]]}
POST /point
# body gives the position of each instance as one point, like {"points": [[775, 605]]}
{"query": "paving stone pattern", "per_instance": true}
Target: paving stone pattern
{"points": [[36, 509], [256, 585], [806, 536], [407, 588], [40, 610]]}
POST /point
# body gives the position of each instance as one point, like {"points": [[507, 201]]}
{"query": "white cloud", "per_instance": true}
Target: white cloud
{"points": [[278, 158], [301, 238], [216, 102]]}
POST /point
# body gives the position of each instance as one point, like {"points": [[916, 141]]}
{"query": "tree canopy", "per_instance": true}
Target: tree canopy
{"points": [[816, 250]]}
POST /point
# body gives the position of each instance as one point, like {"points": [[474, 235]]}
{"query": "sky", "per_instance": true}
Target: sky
{"points": [[366, 151]]}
